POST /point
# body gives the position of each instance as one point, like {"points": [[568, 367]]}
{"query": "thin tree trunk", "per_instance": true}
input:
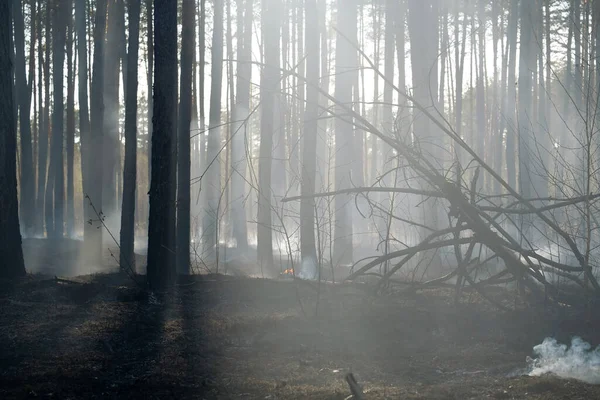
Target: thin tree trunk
{"points": [[213, 165], [127, 235], [70, 209], [309, 153], [345, 60], [27, 182], [511, 98], [48, 178], [241, 113], [56, 153], [269, 83], [94, 245], [111, 114], [183, 159], [84, 117], [43, 92]]}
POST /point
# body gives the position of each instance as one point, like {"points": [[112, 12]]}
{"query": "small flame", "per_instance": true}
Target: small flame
{"points": [[289, 271]]}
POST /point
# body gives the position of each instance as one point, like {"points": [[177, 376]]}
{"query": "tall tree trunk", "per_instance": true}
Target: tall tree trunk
{"points": [[48, 177], [111, 113], [511, 97], [345, 61], [11, 251], [84, 117], [185, 117], [56, 154], [481, 118], [27, 182], [309, 153], [526, 66], [269, 83], [201, 84], [213, 165], [44, 100], [422, 18], [94, 244], [150, 81], [70, 209], [241, 114], [127, 237], [161, 230]]}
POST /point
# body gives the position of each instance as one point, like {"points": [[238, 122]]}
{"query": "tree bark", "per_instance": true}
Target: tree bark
{"points": [[161, 230], [213, 164], [94, 244], [56, 172], [70, 132], [27, 181], [241, 113], [127, 235], [11, 251], [269, 84], [309, 153], [84, 117], [185, 117]]}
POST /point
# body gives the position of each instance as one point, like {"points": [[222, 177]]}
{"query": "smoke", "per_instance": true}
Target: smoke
{"points": [[576, 362], [308, 269]]}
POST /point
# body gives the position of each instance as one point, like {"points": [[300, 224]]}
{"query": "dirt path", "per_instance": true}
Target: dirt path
{"points": [[221, 337]]}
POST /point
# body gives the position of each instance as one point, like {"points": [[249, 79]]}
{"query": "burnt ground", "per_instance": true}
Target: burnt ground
{"points": [[222, 337]]}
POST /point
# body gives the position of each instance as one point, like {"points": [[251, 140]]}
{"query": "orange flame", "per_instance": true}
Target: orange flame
{"points": [[289, 271]]}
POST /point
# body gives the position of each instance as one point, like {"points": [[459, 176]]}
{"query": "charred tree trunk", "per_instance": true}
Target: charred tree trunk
{"points": [[94, 244], [56, 171], [161, 230], [84, 117], [44, 70], [183, 159], [11, 251], [127, 256], [70, 207], [27, 181]]}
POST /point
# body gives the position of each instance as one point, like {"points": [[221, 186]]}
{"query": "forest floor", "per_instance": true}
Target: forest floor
{"points": [[222, 337]]}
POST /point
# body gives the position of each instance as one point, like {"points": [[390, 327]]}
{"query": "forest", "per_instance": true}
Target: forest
{"points": [[290, 199]]}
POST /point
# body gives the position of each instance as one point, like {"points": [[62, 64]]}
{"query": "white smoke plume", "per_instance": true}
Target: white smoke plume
{"points": [[308, 269], [576, 362]]}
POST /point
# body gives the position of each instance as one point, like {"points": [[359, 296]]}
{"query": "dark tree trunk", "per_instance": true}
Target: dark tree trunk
{"points": [[56, 154], [70, 210], [84, 116], [127, 257], [48, 178], [150, 79], [183, 159], [11, 251], [27, 180], [44, 98], [94, 245], [161, 229]]}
